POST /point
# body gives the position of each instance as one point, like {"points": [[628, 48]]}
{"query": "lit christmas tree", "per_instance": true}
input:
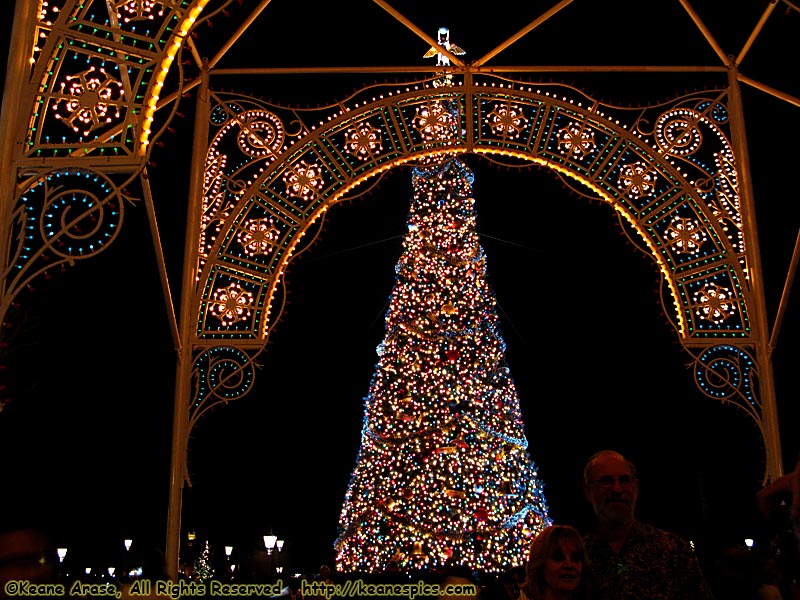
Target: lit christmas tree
{"points": [[202, 566], [443, 475]]}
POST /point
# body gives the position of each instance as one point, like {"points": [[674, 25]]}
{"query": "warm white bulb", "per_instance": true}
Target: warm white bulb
{"points": [[270, 541]]}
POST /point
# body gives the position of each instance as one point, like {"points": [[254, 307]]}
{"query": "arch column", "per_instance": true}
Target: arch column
{"points": [[183, 384], [769, 417]]}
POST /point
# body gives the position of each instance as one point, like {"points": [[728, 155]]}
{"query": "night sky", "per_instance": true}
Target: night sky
{"points": [[90, 365]]}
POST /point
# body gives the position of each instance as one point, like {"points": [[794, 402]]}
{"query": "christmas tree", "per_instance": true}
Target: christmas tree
{"points": [[202, 566], [443, 474]]}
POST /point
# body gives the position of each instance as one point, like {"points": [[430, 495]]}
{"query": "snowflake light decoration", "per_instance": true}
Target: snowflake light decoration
{"points": [[685, 235], [303, 180], [363, 141], [258, 236], [576, 140], [507, 121], [637, 180], [714, 303], [139, 10], [89, 100], [434, 122], [232, 304]]}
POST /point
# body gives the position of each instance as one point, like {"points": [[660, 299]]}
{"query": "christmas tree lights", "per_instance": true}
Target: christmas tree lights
{"points": [[443, 474]]}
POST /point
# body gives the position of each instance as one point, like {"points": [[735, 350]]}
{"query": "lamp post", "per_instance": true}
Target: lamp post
{"points": [[271, 542], [127, 542], [228, 552], [62, 552]]}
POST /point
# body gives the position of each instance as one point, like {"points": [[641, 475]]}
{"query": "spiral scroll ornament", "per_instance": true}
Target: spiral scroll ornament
{"points": [[677, 132], [221, 374], [728, 373], [261, 134], [62, 216]]}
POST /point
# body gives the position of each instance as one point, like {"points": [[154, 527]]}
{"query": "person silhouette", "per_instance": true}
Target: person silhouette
{"points": [[629, 559]]}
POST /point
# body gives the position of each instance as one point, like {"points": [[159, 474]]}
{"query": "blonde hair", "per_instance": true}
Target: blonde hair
{"points": [[543, 546]]}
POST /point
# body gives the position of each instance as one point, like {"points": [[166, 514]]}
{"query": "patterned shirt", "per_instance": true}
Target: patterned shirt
{"points": [[652, 565]]}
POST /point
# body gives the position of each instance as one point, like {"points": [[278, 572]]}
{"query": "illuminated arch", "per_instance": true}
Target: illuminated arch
{"points": [[87, 83], [94, 80], [668, 170]]}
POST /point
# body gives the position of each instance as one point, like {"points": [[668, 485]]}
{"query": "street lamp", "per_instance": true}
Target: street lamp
{"points": [[62, 552], [270, 541], [127, 542], [228, 552], [749, 543]]}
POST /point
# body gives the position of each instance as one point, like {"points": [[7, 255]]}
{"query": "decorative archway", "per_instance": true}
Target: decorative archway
{"points": [[669, 170], [92, 78]]}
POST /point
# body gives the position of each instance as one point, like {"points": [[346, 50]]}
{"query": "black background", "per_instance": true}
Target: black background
{"points": [[91, 364]]}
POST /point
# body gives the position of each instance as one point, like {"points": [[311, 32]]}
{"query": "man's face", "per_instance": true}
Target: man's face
{"points": [[612, 489]]}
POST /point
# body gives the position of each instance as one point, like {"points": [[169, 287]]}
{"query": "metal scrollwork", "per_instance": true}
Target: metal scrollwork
{"points": [[62, 216], [221, 374], [728, 373]]}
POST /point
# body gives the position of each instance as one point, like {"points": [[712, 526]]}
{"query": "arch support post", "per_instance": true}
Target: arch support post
{"points": [[10, 141], [769, 417], [181, 427]]}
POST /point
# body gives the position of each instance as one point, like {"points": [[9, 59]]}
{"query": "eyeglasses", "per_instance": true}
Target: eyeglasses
{"points": [[607, 481]]}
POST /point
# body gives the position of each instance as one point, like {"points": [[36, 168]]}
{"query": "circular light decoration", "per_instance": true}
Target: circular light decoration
{"points": [[137, 10], [507, 121], [434, 121], [91, 100], [364, 141], [303, 180], [685, 235], [637, 180], [223, 372], [232, 304], [576, 140], [81, 211], [714, 303], [262, 133], [727, 372], [676, 132], [258, 236]]}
